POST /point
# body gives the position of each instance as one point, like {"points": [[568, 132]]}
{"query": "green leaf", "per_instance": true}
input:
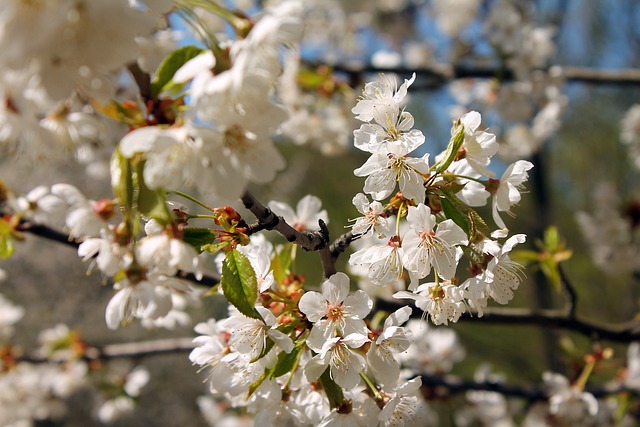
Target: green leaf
{"points": [[170, 64], [286, 362], [151, 203], [281, 262], [453, 213], [239, 283], [452, 149], [6, 243], [473, 224], [199, 238], [331, 389]]}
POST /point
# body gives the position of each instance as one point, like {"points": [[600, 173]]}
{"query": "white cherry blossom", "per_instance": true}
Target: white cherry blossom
{"points": [[249, 336], [338, 355], [503, 275], [334, 311], [443, 303], [383, 260], [374, 220], [478, 146], [10, 314], [391, 164], [391, 340], [403, 407], [424, 247], [507, 193]]}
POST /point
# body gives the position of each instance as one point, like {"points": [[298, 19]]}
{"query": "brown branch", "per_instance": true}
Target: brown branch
{"points": [[142, 79], [270, 221], [555, 319], [60, 237], [131, 349], [446, 385], [558, 319], [571, 292], [439, 74], [437, 386]]}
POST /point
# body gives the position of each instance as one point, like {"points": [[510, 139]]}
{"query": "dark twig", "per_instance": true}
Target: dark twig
{"points": [[571, 292], [439, 74], [308, 241], [437, 386], [557, 319], [47, 232], [445, 385], [327, 259], [132, 349], [550, 319], [142, 79]]}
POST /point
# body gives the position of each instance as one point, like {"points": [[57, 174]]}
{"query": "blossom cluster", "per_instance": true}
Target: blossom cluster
{"points": [[435, 202]]}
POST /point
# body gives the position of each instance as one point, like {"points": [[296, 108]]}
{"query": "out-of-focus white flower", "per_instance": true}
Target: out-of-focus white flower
{"points": [[452, 16], [306, 216], [155, 47], [43, 207], [10, 314], [433, 350], [630, 133], [567, 402], [632, 377]]}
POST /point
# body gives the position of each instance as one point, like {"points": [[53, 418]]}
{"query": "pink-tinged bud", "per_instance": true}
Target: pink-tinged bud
{"points": [[104, 208]]}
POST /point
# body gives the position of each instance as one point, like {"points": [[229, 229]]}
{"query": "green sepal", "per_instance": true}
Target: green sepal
{"points": [[253, 387], [122, 180], [168, 67], [213, 248], [452, 148], [239, 283], [6, 242], [199, 238]]}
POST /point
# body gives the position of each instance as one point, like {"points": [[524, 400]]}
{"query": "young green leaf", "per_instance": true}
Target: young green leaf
{"points": [[170, 64], [6, 243], [199, 237], [239, 283]]}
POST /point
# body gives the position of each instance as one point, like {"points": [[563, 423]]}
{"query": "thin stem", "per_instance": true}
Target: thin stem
{"points": [[372, 387], [193, 199]]}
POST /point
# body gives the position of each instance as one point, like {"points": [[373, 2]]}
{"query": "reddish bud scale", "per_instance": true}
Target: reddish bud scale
{"points": [[104, 208]]}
